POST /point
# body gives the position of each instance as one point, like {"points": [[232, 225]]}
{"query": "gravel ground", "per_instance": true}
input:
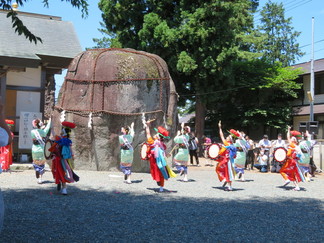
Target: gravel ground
{"points": [[101, 208]]}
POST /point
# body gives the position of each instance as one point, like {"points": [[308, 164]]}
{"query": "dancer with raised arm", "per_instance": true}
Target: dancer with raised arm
{"points": [[62, 166], [290, 171], [159, 169], [126, 151], [38, 135], [224, 168]]}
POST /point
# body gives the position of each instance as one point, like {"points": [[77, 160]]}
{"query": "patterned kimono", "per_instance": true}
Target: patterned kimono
{"points": [[290, 169], [62, 166], [304, 162], [126, 153], [6, 156], [158, 165], [240, 159], [182, 157], [224, 168], [38, 156]]}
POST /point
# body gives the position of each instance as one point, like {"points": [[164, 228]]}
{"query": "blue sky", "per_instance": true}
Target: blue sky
{"points": [[301, 12]]}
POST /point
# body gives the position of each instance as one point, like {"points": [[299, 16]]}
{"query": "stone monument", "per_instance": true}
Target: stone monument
{"points": [[105, 89]]}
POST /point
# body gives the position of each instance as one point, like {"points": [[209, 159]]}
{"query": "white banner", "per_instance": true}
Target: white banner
{"points": [[25, 127]]}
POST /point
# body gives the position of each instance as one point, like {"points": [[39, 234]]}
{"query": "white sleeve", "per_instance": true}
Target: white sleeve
{"points": [[4, 137]]}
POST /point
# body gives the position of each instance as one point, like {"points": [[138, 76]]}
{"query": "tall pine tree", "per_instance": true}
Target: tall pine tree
{"points": [[281, 42], [199, 39]]}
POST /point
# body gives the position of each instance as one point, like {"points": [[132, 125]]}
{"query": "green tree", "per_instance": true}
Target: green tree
{"points": [[281, 39], [19, 26], [200, 40], [261, 97]]}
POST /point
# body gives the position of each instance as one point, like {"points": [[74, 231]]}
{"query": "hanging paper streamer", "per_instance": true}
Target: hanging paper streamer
{"points": [[143, 120], [131, 130], [164, 121], [90, 120], [62, 119]]}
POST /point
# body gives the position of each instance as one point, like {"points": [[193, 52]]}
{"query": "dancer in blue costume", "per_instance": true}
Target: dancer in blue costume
{"points": [[38, 135], [126, 151], [159, 169], [182, 157], [63, 165], [224, 168]]}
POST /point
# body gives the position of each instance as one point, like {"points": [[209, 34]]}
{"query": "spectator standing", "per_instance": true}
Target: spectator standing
{"points": [[250, 154], [193, 147]]}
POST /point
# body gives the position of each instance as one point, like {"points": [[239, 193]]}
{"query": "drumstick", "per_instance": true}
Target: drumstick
{"points": [[149, 121], [175, 146]]}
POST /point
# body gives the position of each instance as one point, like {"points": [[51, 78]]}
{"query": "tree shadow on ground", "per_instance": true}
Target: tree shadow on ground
{"points": [[94, 215]]}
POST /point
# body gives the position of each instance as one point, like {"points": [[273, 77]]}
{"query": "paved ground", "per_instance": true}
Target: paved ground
{"points": [[101, 208]]}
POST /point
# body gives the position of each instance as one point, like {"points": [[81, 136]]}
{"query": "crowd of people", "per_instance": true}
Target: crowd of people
{"points": [[236, 153]]}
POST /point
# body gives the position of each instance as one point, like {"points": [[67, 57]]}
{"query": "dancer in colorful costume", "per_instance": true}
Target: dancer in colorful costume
{"points": [[291, 171], [227, 153], [182, 157], [306, 147], [242, 147], [126, 151], [38, 135], [7, 151], [62, 166], [160, 171]]}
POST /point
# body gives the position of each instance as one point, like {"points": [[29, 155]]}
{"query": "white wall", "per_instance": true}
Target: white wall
{"points": [[27, 101], [317, 98], [32, 77]]}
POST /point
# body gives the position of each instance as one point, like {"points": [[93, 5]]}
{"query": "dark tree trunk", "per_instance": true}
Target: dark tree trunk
{"points": [[200, 122]]}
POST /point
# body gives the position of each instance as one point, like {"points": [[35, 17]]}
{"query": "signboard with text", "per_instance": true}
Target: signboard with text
{"points": [[25, 127]]}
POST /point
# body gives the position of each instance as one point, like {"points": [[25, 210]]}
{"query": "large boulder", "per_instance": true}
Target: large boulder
{"points": [[105, 89]]}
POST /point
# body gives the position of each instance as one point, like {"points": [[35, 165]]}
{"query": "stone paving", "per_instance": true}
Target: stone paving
{"points": [[101, 208]]}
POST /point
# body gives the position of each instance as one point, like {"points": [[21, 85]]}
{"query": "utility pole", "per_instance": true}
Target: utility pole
{"points": [[311, 114]]}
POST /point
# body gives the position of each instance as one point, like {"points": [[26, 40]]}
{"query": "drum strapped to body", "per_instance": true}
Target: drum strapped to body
{"points": [[48, 144], [280, 154], [213, 151], [144, 152]]}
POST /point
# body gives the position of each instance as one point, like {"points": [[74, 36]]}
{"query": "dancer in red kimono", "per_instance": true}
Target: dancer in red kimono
{"points": [[62, 166], [290, 171], [159, 169], [6, 151], [225, 169]]}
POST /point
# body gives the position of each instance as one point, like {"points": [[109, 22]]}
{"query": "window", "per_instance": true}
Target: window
{"points": [[319, 84]]}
